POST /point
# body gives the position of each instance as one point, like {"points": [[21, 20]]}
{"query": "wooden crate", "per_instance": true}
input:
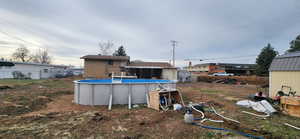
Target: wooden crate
{"points": [[290, 105], [154, 98]]}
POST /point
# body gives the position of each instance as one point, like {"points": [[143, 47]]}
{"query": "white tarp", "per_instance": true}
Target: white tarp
{"points": [[261, 106]]}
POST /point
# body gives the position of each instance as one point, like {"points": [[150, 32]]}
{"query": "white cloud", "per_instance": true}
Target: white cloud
{"points": [[204, 29]]}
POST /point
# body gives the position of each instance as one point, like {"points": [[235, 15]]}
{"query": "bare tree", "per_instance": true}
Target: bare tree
{"points": [[106, 48], [42, 56], [22, 54]]}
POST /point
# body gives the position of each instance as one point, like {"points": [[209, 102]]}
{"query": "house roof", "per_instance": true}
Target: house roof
{"points": [[142, 67], [150, 64], [38, 64], [106, 57], [204, 64], [225, 64], [6, 63], [286, 62]]}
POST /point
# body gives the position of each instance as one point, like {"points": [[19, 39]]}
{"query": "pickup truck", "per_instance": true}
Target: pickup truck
{"points": [[223, 74]]}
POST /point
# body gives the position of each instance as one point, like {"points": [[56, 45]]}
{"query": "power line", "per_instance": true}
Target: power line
{"points": [[236, 57]]}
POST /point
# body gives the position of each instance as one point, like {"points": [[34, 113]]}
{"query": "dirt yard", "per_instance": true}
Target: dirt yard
{"points": [[44, 109]]}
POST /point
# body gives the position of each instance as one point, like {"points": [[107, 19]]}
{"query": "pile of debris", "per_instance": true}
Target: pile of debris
{"points": [[4, 87], [288, 103], [233, 79], [230, 81]]}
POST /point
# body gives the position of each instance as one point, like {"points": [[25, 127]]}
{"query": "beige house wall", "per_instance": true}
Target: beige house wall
{"points": [[169, 74], [101, 68], [288, 78], [204, 68]]}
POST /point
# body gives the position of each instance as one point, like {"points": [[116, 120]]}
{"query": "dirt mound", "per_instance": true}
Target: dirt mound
{"points": [[4, 87]]}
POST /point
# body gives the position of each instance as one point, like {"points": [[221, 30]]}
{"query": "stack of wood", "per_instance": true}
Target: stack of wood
{"points": [[290, 105], [172, 97]]}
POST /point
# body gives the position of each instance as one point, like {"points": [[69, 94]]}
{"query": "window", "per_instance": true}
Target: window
{"points": [[46, 70], [110, 62]]}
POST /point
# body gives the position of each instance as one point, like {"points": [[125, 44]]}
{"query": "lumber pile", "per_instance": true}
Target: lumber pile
{"points": [[170, 97], [290, 105]]}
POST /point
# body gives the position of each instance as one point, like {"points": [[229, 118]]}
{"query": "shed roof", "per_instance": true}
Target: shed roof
{"points": [[36, 64], [106, 57], [286, 62], [151, 64], [6, 63]]}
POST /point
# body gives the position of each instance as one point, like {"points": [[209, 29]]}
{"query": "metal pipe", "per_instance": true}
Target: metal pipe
{"points": [[202, 114], [261, 116], [287, 124], [224, 116], [129, 96], [93, 94], [110, 97]]}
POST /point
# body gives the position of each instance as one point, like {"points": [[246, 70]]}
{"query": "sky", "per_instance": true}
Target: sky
{"points": [[232, 31]]}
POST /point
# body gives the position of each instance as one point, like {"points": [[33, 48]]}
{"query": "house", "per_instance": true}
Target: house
{"points": [[184, 76], [148, 70], [209, 68], [285, 72], [97, 66], [76, 71], [103, 66], [202, 68], [30, 70]]}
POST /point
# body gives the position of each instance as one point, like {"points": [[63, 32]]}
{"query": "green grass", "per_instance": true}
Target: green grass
{"points": [[273, 126]]}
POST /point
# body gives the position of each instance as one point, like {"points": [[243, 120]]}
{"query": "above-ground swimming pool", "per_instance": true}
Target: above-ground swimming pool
{"points": [[117, 91]]}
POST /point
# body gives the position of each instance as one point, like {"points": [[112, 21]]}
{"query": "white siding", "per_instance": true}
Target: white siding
{"points": [[169, 74], [31, 70]]}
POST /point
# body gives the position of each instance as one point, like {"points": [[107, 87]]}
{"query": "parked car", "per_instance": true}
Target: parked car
{"points": [[223, 74], [66, 73]]}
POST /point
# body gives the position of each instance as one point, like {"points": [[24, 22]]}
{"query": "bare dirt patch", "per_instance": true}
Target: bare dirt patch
{"points": [[60, 117]]}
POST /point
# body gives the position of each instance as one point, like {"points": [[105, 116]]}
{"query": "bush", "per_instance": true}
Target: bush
{"points": [[18, 75]]}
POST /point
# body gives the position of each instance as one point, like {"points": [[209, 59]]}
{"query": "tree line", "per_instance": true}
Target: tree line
{"points": [[106, 49], [268, 53], [23, 54]]}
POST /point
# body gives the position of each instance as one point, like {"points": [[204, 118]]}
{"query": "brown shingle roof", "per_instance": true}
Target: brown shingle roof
{"points": [[106, 57], [151, 64]]}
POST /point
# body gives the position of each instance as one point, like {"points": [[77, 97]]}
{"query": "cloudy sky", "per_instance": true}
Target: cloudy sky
{"points": [[220, 31]]}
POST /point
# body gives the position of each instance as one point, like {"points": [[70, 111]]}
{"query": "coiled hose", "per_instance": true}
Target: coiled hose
{"points": [[227, 130]]}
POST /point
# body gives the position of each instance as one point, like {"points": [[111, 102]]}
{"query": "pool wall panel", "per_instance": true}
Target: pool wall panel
{"points": [[85, 94], [120, 94], [102, 93], [99, 94], [138, 94]]}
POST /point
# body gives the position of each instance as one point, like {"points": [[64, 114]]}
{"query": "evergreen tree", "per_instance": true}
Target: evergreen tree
{"points": [[295, 45], [120, 52], [265, 59]]}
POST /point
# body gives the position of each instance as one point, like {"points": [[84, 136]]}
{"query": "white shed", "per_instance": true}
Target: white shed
{"points": [[31, 70], [285, 73]]}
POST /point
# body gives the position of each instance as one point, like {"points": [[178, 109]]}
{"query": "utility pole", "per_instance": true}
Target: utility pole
{"points": [[173, 42]]}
